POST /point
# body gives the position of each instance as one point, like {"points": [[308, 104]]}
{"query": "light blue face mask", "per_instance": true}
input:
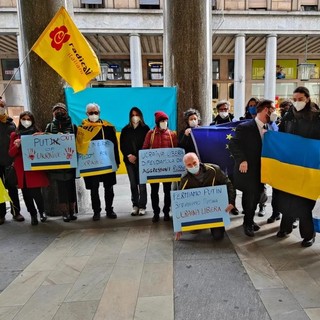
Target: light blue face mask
{"points": [[194, 169]]}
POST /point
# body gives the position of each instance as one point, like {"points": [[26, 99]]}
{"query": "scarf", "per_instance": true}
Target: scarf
{"points": [[86, 132], [3, 118]]}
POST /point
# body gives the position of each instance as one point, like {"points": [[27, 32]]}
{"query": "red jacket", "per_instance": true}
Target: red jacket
{"points": [[29, 179], [158, 138]]}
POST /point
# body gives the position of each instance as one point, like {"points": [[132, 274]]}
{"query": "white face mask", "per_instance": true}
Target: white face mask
{"points": [[193, 123], [163, 125], [194, 169], [223, 114], [135, 119], [273, 117], [94, 118], [299, 105], [2, 111], [26, 123]]}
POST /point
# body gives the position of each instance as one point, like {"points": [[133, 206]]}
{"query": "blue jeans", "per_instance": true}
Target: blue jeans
{"points": [[138, 191]]}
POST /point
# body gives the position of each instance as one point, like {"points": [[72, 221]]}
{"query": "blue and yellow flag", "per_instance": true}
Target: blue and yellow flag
{"points": [[4, 196], [291, 163], [63, 47]]}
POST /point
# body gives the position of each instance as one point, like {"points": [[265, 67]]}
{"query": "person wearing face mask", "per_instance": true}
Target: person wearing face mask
{"points": [[192, 119], [30, 182], [199, 175], [94, 128], [303, 119], [246, 148], [65, 178], [251, 108], [7, 126], [131, 140], [224, 116], [160, 137]]}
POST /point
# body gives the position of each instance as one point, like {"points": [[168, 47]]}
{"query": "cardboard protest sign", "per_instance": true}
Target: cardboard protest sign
{"points": [[161, 165], [48, 152], [98, 160], [199, 208]]}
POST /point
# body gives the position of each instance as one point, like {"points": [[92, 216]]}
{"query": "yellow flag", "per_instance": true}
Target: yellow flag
{"points": [[3, 193], [63, 47]]}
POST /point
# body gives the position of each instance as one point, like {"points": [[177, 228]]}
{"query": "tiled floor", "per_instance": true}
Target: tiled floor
{"points": [[125, 272]]}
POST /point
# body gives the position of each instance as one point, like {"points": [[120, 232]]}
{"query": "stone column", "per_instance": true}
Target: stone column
{"points": [[270, 67], [23, 73], [187, 52], [239, 75], [135, 60], [44, 86]]}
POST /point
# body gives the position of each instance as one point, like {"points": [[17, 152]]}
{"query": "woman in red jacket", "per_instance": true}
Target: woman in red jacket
{"points": [[160, 137], [30, 182]]}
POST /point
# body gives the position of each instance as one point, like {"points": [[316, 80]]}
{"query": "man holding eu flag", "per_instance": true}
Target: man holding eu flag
{"points": [[302, 120], [246, 148]]}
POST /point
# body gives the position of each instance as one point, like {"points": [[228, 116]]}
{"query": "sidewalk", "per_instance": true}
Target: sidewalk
{"points": [[130, 268]]}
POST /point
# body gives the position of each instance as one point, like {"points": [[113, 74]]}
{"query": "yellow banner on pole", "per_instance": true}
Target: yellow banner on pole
{"points": [[63, 47], [4, 196]]}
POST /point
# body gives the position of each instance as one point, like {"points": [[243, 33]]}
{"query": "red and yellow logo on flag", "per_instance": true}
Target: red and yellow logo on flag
{"points": [[63, 47]]}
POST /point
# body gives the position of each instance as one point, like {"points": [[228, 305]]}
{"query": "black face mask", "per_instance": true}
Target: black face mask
{"points": [[61, 116]]}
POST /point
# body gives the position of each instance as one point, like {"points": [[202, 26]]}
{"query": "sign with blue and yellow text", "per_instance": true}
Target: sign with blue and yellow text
{"points": [[161, 165], [48, 152], [199, 208], [98, 160]]}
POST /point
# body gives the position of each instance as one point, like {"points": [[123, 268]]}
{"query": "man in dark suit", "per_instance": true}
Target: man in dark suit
{"points": [[246, 148]]}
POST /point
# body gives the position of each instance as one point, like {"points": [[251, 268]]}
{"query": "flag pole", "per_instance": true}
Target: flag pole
{"points": [[7, 85]]}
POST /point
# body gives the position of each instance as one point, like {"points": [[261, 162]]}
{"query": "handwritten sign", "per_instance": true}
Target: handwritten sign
{"points": [[199, 208], [98, 160], [48, 152], [161, 165]]}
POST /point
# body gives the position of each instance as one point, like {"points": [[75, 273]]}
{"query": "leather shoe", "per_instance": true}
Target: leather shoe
{"points": [[111, 215], [282, 234], [295, 224], [256, 227], [248, 230], [96, 216], [217, 233], [235, 211], [34, 220], [155, 218], [262, 210], [18, 217], [307, 242], [166, 217], [272, 219], [2, 220], [66, 218], [43, 217]]}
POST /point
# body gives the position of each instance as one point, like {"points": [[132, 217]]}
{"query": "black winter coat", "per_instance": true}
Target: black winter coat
{"points": [[131, 140], [55, 127], [5, 132], [246, 145], [109, 179], [186, 142]]}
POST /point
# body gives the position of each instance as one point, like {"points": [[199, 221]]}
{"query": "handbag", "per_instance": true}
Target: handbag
{"points": [[316, 223], [10, 177]]}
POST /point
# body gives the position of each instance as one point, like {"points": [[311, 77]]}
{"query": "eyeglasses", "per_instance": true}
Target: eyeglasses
{"points": [[93, 112]]}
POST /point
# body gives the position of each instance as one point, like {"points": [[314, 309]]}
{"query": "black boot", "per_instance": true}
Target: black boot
{"points": [[34, 220], [43, 217], [155, 218]]}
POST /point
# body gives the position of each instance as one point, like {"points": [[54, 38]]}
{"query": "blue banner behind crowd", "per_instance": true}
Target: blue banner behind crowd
{"points": [[212, 144], [115, 104]]}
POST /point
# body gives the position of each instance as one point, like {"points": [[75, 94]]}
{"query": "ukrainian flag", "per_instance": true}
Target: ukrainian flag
{"points": [[291, 163]]}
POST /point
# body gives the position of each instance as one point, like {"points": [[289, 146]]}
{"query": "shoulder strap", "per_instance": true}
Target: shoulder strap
{"points": [[152, 138]]}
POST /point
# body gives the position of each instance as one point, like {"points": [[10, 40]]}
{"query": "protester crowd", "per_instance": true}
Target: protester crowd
{"points": [[299, 117]]}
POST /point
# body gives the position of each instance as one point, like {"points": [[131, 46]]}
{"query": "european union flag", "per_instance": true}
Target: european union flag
{"points": [[212, 144]]}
